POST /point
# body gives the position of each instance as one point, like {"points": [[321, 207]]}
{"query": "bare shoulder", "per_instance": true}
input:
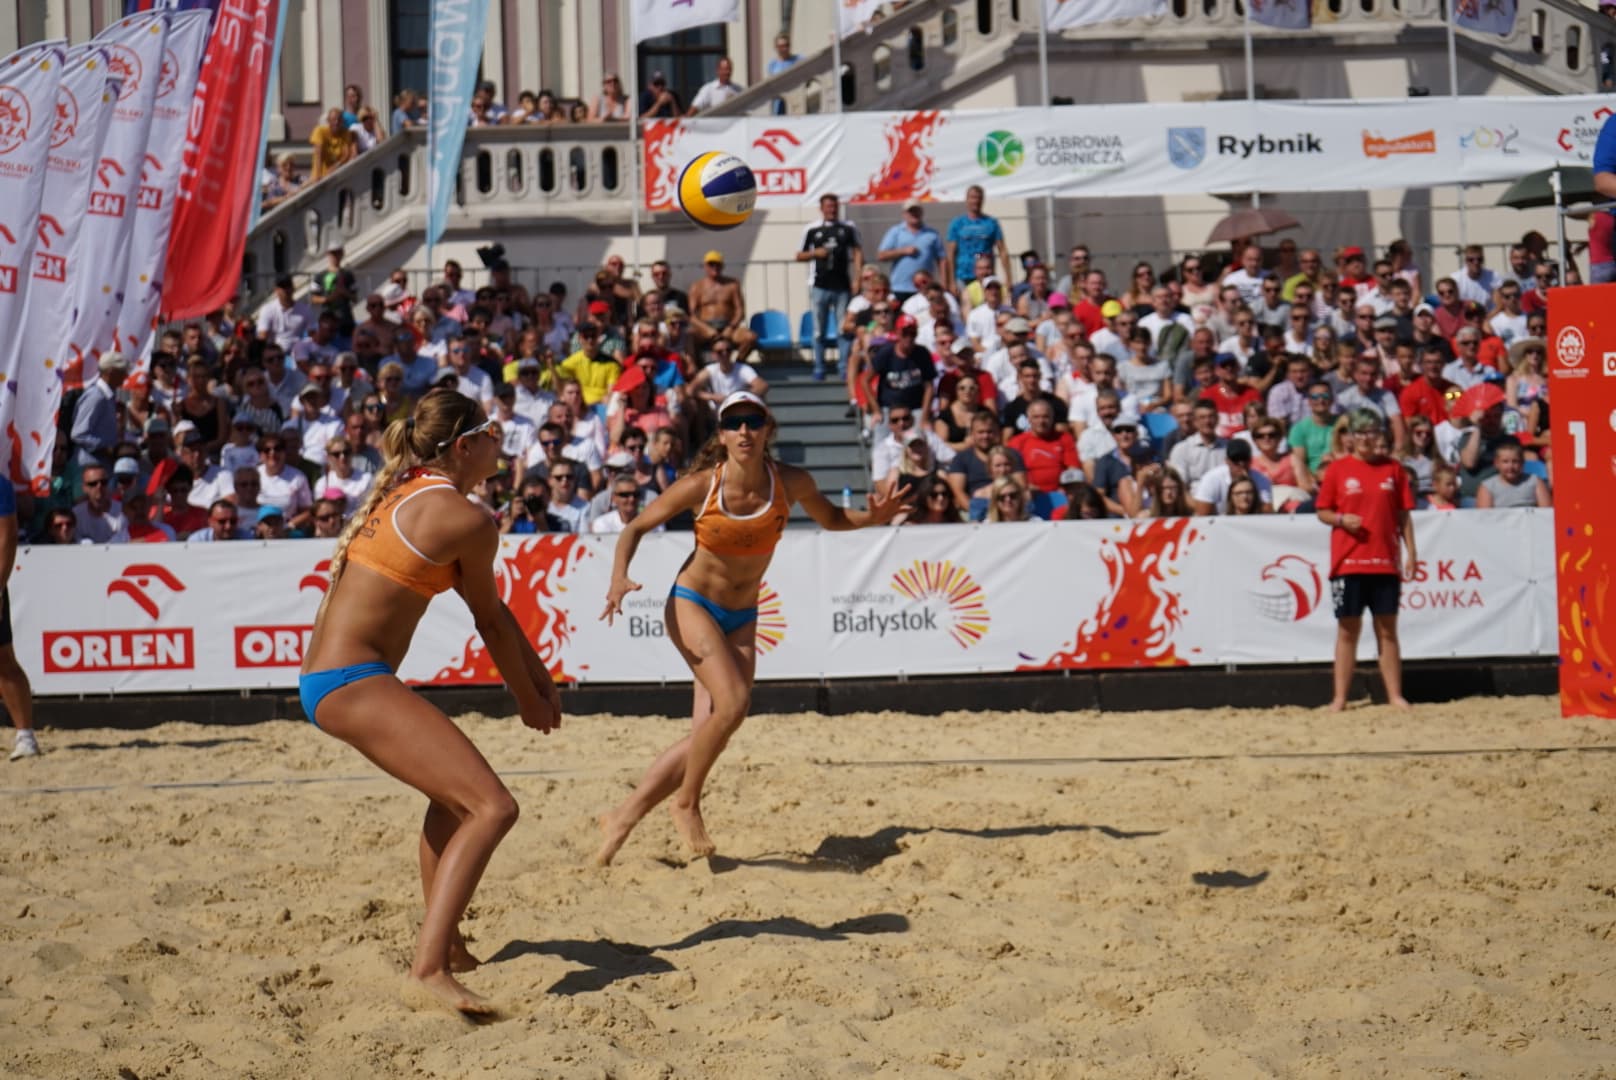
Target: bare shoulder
{"points": [[799, 482]]}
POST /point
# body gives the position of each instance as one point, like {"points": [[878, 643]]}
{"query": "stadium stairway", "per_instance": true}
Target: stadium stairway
{"points": [[816, 433]]}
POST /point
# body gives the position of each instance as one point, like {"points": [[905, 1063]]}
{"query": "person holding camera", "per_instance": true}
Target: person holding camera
{"points": [[529, 512]]}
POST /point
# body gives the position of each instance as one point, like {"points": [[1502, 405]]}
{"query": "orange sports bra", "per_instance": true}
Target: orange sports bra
{"points": [[380, 546], [723, 533]]}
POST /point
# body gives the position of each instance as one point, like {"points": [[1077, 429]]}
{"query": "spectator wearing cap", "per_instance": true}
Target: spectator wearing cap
{"points": [[619, 463], [965, 369], [271, 523], [905, 371], [902, 424], [634, 403], [1073, 487], [911, 246], [718, 90], [224, 523], [532, 399], [283, 319], [658, 101], [1351, 273], [1199, 453], [1211, 492], [835, 257], [592, 370], [718, 308], [329, 512], [1046, 452], [1003, 361], [98, 519], [126, 478], [344, 477], [518, 432], [313, 425], [280, 485], [1426, 333], [157, 458], [1466, 370], [320, 346], [241, 448], [95, 416], [1474, 280], [1112, 338]]}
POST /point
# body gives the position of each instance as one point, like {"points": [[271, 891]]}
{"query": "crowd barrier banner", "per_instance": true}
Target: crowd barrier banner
{"points": [[1181, 148], [84, 105], [914, 601]]}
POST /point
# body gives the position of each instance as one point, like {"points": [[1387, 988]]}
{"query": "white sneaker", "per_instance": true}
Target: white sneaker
{"points": [[27, 746]]}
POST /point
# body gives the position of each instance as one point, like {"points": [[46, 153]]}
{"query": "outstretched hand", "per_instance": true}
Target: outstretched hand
{"points": [[620, 588], [884, 507]]}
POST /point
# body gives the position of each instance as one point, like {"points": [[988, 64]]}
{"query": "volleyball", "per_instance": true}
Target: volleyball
{"points": [[717, 190]]}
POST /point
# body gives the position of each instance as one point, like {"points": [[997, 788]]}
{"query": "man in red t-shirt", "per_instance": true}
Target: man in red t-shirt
{"points": [[1365, 499], [1230, 396], [1046, 452], [1427, 395]]}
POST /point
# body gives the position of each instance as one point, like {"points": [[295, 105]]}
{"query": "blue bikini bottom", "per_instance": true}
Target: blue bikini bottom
{"points": [[729, 620], [316, 685]]}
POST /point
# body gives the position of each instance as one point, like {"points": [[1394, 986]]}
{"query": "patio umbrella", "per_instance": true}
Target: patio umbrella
{"points": [[1535, 189], [1252, 221], [1478, 398]]}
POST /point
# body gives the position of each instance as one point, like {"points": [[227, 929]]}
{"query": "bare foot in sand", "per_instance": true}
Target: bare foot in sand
{"points": [[441, 989], [460, 958], [1399, 703], [687, 819], [1338, 706], [614, 830]]}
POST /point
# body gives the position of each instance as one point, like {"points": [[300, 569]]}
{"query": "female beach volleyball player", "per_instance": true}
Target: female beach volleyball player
{"points": [[415, 536], [740, 498]]}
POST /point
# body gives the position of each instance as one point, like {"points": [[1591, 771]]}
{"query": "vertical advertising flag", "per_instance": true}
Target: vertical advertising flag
{"points": [[135, 52], [854, 15], [219, 165], [1486, 16], [659, 18], [159, 179], [1283, 14], [457, 48], [84, 103], [1064, 14], [28, 81]]}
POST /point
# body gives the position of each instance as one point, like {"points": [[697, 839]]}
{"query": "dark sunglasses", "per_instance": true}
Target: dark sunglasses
{"points": [[749, 421]]}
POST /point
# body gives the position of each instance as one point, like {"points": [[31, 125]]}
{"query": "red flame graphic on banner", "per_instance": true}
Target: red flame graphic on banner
{"points": [[1585, 604], [906, 172], [1139, 617], [661, 170], [531, 578]]}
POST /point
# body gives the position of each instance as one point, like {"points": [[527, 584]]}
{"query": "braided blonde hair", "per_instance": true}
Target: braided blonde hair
{"points": [[439, 417]]}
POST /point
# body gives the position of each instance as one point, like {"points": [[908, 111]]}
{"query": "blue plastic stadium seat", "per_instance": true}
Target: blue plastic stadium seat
{"points": [[1160, 425], [805, 332], [1537, 469], [773, 330]]}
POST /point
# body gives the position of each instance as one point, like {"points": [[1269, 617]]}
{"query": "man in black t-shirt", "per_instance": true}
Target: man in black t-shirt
{"points": [[1013, 417], [831, 247], [906, 370]]}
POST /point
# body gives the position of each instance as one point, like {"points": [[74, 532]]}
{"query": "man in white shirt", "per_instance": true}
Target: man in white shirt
{"points": [[1112, 339], [313, 424], [1202, 451], [1510, 322], [1476, 283], [982, 324], [320, 346], [1163, 314], [565, 502], [1467, 370], [1083, 409], [1211, 492], [284, 320], [532, 401], [519, 432], [285, 381], [901, 426], [98, 517], [1004, 369], [474, 381], [210, 483], [937, 311], [1249, 278], [715, 93]]}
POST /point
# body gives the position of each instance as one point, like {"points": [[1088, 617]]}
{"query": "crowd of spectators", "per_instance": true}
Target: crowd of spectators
{"points": [[1048, 393], [268, 424]]}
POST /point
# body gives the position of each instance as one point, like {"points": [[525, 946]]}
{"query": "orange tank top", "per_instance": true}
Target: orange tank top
{"points": [[723, 533], [380, 546]]}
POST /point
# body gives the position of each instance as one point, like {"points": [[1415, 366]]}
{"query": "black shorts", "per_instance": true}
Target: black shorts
{"points": [[5, 617], [1380, 593]]}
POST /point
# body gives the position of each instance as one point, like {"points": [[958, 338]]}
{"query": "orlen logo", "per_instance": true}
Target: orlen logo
{"points": [[107, 203], [281, 646], [778, 143], [1292, 589], [156, 649], [941, 595], [66, 122], [15, 118], [49, 267], [124, 63], [148, 197]]}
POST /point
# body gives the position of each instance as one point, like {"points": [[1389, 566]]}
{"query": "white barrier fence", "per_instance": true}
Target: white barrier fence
{"points": [[912, 601], [1182, 148]]}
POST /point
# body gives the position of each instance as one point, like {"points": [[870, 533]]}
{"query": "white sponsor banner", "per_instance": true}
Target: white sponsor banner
{"points": [[83, 112], [28, 82], [1063, 14], [949, 599], [854, 15], [159, 179], [135, 53], [1158, 149], [656, 18]]}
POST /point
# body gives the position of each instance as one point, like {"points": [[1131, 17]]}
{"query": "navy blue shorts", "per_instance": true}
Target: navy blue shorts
{"points": [[1382, 594]]}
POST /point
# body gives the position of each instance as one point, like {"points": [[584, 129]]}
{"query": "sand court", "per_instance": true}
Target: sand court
{"points": [[1197, 893]]}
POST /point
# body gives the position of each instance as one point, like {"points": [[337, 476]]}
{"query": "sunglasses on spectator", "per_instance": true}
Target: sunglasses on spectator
{"points": [[1008, 496], [625, 494], [274, 448], [936, 494], [339, 453], [101, 483], [247, 483], [1320, 397], [562, 478], [328, 517], [373, 406], [1266, 435], [253, 384], [900, 421], [749, 421], [549, 442]]}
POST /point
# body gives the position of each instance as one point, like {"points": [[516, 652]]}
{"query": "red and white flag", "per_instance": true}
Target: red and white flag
{"points": [[135, 53], [84, 102], [219, 168], [159, 179], [28, 80]]}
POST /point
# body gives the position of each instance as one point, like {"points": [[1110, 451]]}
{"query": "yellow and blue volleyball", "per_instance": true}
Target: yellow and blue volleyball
{"points": [[717, 190]]}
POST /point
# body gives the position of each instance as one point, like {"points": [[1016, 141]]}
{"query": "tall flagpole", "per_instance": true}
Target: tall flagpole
{"points": [[634, 137], [1043, 89], [1251, 79], [1453, 92]]}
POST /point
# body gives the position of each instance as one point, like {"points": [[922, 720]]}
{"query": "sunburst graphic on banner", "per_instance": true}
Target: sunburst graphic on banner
{"points": [[771, 620], [967, 615]]}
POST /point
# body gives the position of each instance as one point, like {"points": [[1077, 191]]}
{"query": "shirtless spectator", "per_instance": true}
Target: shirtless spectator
{"points": [[718, 309]]}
